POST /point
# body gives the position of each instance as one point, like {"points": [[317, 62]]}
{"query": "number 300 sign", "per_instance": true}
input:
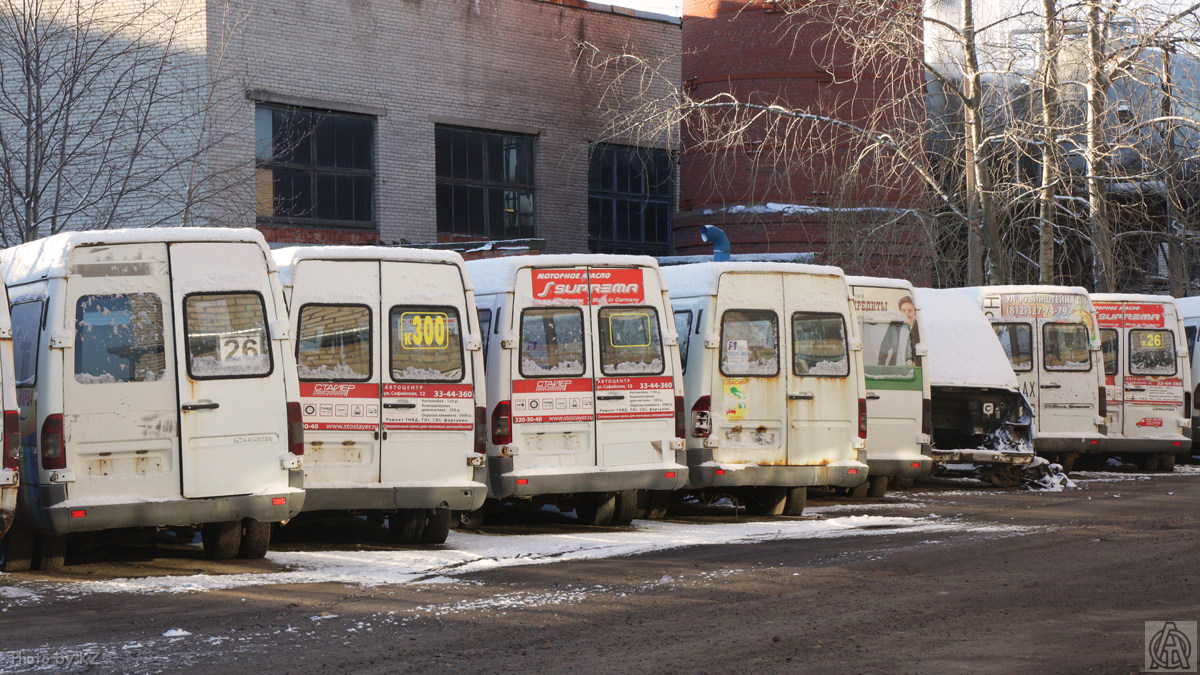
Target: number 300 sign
{"points": [[424, 330]]}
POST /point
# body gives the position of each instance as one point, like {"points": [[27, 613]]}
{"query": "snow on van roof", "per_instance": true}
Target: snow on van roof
{"points": [[1189, 307], [287, 258], [48, 257], [880, 282], [1131, 297], [495, 275], [702, 278], [962, 349], [978, 291]]}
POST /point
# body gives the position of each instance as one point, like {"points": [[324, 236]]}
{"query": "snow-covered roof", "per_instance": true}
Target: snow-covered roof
{"points": [[962, 349], [978, 291], [496, 275], [48, 257], [808, 258], [880, 282], [1131, 297], [1189, 307], [287, 258], [702, 278]]}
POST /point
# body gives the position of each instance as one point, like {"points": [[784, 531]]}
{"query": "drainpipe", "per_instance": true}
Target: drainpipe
{"points": [[720, 242]]}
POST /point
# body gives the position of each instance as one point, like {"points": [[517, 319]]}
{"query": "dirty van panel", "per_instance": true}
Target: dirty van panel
{"points": [[233, 428], [1067, 381], [893, 372], [120, 373], [1146, 395], [749, 400], [338, 328], [428, 391], [822, 397]]}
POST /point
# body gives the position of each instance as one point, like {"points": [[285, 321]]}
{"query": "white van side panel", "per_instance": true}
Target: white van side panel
{"points": [[119, 384], [235, 447]]}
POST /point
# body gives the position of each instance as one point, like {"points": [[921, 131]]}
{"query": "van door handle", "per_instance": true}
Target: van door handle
{"points": [[405, 406], [200, 406], [872, 397], [1050, 386], [611, 397], [803, 396]]}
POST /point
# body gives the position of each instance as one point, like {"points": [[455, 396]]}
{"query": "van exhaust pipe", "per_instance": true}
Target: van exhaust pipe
{"points": [[720, 242]]}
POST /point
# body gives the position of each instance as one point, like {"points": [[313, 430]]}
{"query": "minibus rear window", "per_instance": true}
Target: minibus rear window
{"points": [[630, 343], [226, 336], [426, 344], [1151, 352], [1065, 347], [119, 338], [551, 342], [1110, 348], [750, 343], [334, 343], [819, 345], [27, 333], [1016, 339], [887, 347], [1190, 335], [485, 328], [683, 326]]}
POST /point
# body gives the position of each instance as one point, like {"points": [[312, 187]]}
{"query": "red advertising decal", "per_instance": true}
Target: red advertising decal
{"points": [[429, 426], [1108, 314], [535, 419], [1150, 422], [339, 390], [336, 426], [596, 286], [421, 390], [1143, 316], [552, 386]]}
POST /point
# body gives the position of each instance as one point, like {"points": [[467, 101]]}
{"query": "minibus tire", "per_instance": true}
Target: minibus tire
{"points": [[17, 550], [407, 525], [256, 539], [1148, 462], [221, 540], [52, 552], [626, 508], [596, 509], [796, 499], [659, 504], [878, 487], [469, 520], [643, 505], [437, 527], [1166, 462], [860, 491], [766, 501]]}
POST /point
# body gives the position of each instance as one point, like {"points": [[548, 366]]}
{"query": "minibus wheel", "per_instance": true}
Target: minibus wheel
{"points": [[627, 501], [470, 520], [407, 525], [256, 539], [596, 509], [437, 527], [17, 550], [1166, 462], [766, 501], [859, 491], [796, 498], [52, 552], [1149, 462], [643, 505], [221, 540], [659, 504], [878, 486]]}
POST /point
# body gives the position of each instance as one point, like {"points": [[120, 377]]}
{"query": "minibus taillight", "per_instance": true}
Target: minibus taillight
{"points": [[1103, 402], [680, 421], [862, 418], [12, 439], [295, 429], [502, 423], [53, 453], [927, 417], [701, 417], [481, 430]]}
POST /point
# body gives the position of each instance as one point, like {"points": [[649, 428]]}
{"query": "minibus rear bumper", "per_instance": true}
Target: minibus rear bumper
{"points": [[505, 482], [65, 517], [982, 456], [457, 495], [8, 498], [1142, 446], [900, 465], [703, 472], [1044, 442]]}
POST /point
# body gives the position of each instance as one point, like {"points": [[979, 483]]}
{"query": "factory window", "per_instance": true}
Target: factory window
{"points": [[630, 196], [484, 183], [314, 168]]}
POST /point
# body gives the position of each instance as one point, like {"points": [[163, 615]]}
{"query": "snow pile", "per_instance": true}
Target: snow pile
{"points": [[702, 278], [1042, 475], [962, 348], [466, 553], [288, 258]]}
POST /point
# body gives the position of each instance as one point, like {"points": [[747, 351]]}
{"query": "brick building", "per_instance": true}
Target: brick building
{"points": [[815, 194]]}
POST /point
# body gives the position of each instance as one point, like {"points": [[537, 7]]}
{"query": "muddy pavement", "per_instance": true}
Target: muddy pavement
{"points": [[961, 579]]}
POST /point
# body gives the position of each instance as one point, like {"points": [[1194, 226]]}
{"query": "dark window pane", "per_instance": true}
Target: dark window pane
{"points": [[445, 208], [326, 197], [362, 142], [476, 210], [475, 157], [443, 147], [461, 215], [325, 140], [607, 180], [343, 143], [607, 220], [595, 209], [364, 198]]}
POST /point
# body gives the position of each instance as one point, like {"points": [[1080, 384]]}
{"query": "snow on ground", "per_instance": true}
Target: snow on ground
{"points": [[466, 553]]}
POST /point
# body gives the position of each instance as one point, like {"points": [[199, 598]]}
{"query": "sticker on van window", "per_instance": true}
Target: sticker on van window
{"points": [[583, 287], [735, 397], [423, 330], [429, 407], [1157, 391]]}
